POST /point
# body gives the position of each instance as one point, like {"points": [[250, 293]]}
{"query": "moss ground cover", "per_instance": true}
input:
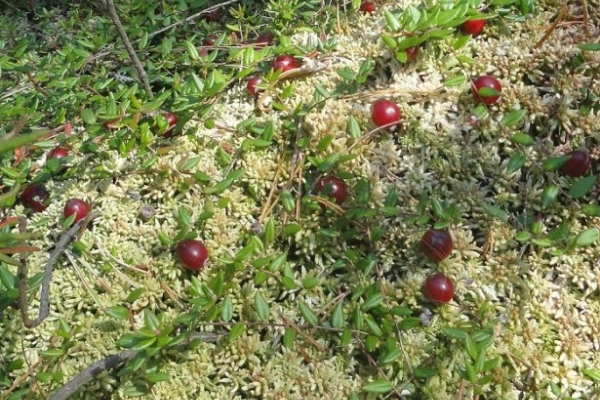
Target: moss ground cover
{"points": [[305, 293]]}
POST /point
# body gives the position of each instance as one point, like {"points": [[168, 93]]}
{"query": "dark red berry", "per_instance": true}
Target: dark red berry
{"points": [[35, 197], [436, 244], [578, 164], [58, 152], [211, 40], [489, 82], [473, 27], [384, 112], [412, 53], [438, 288], [264, 39], [192, 254], [367, 7], [285, 63], [78, 207], [334, 187], [172, 121], [251, 85]]}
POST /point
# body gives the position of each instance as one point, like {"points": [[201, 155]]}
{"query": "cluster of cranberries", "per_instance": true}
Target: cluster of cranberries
{"points": [[437, 245]]}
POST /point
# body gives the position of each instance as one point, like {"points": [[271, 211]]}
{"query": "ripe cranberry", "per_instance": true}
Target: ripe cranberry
{"points": [[436, 244], [211, 40], [264, 39], [172, 121], [438, 288], [333, 187], [367, 7], [384, 112], [192, 254], [251, 85], [473, 27], [58, 152], [486, 81], [78, 207], [412, 53], [284, 63], [35, 197], [578, 164]]}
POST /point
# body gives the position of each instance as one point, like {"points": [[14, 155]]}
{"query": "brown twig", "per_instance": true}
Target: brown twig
{"points": [[114, 16], [113, 361], [54, 256]]}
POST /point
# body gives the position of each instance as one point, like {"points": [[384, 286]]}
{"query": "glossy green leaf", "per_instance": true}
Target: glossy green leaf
{"points": [[582, 187], [262, 307], [309, 316], [380, 386]]}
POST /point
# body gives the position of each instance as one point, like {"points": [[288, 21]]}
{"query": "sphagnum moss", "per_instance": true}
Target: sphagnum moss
{"points": [[549, 330]]}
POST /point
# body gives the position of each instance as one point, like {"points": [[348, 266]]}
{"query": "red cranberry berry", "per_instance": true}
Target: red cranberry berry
{"points": [[35, 197], [58, 152], [285, 63], [333, 187], [412, 53], [251, 85], [436, 244], [578, 164], [172, 121], [192, 254], [473, 27], [438, 288], [385, 112], [367, 7], [264, 39], [78, 207], [489, 82]]}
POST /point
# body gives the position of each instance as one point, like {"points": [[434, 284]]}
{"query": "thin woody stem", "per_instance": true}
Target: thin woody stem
{"points": [[54, 256]]}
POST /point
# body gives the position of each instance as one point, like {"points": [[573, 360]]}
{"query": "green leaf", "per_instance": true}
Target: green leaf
{"points": [[582, 187], [455, 333], [389, 41], [337, 317], [392, 22], [88, 116], [589, 46], [591, 210], [191, 49], [372, 302], [455, 81], [52, 353], [262, 308], [353, 127], [461, 41], [516, 161], [513, 117], [309, 316], [549, 195], [227, 309], [390, 356], [236, 331], [586, 238], [158, 376], [379, 386], [593, 374], [118, 312], [496, 212], [554, 163], [150, 320], [288, 337], [134, 295]]}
